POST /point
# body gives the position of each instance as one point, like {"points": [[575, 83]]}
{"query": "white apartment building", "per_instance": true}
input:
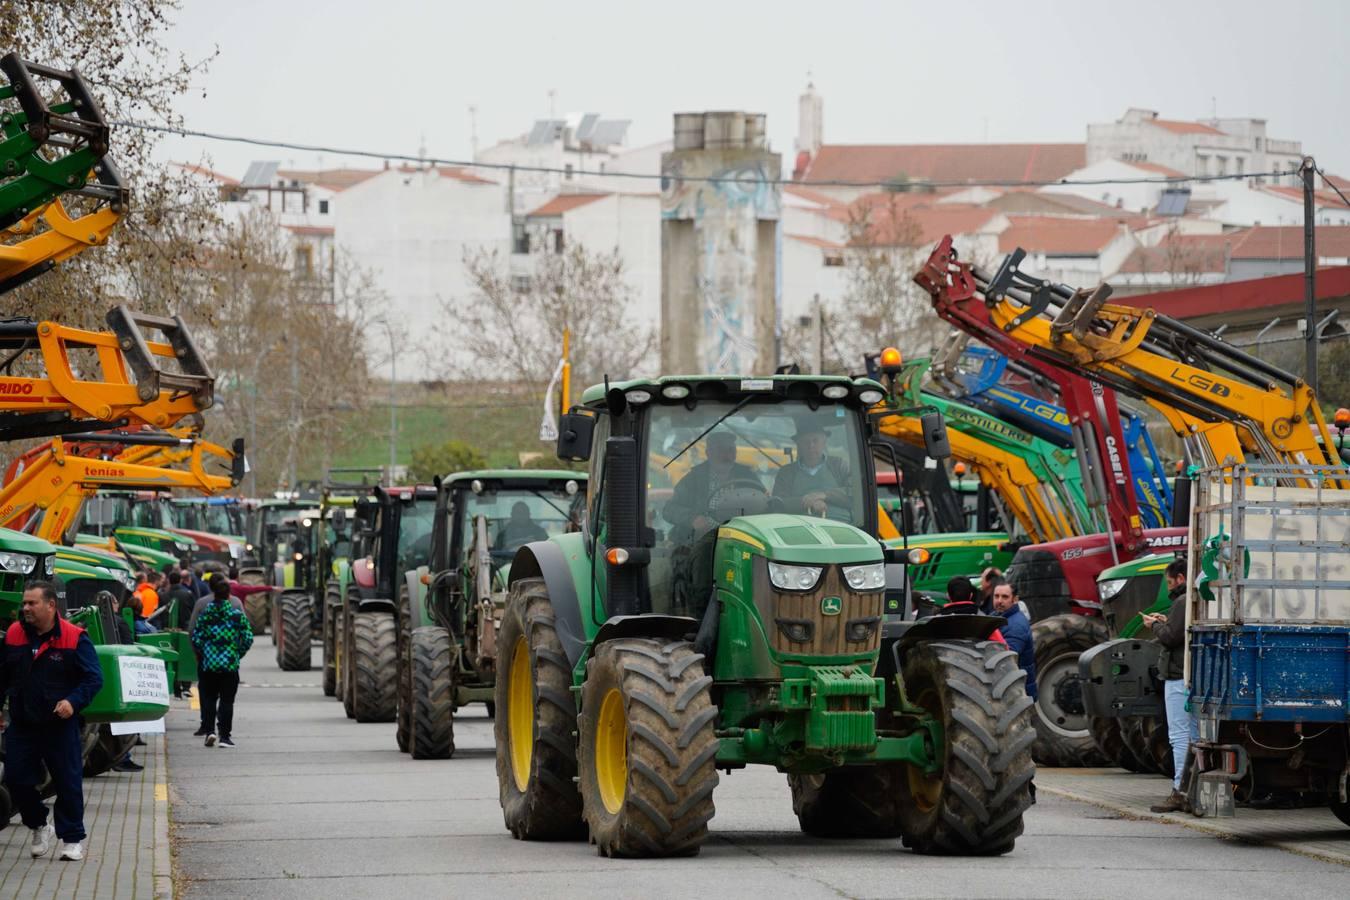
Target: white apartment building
{"points": [[411, 228], [570, 145], [1212, 147]]}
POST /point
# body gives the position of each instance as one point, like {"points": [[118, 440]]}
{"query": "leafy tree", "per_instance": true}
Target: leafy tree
{"points": [[431, 460]]}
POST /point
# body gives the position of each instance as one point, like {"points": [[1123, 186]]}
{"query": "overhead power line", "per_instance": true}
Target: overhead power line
{"points": [[646, 176]]}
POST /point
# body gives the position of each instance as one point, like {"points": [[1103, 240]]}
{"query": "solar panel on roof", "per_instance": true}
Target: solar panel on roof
{"points": [[545, 131], [1173, 202], [260, 173]]}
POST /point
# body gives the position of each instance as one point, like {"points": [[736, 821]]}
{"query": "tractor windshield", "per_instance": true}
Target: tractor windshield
{"points": [[767, 456], [515, 517], [414, 533]]}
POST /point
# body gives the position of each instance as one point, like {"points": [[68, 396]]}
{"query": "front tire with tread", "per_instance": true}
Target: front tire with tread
{"points": [[374, 667], [431, 713], [294, 626], [1063, 737]]}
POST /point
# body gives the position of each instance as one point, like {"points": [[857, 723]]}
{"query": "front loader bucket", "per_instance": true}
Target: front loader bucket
{"points": [[71, 133], [194, 377]]}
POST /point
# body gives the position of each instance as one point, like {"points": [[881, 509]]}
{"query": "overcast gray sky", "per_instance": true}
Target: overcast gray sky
{"points": [[380, 75]]}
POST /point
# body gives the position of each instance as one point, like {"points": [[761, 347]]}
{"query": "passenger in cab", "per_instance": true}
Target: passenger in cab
{"points": [[814, 483], [519, 530]]}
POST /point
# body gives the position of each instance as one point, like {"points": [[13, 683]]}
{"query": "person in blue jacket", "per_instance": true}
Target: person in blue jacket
{"points": [[1017, 633], [49, 673]]}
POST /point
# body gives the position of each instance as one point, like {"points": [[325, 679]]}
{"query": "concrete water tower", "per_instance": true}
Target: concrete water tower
{"points": [[720, 206]]}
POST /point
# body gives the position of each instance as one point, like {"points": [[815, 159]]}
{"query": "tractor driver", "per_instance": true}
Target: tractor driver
{"points": [[688, 508], [519, 530], [814, 482]]}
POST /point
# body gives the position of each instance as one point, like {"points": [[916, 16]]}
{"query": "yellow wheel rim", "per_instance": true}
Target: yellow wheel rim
{"points": [[926, 790], [611, 751], [520, 714]]}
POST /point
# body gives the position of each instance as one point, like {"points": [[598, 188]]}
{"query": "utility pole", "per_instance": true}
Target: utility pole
{"points": [[1309, 272], [393, 410]]}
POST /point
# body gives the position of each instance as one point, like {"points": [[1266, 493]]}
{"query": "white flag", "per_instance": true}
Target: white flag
{"points": [[548, 428]]}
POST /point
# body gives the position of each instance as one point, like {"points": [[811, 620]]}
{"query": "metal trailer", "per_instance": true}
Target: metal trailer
{"points": [[1269, 620]]}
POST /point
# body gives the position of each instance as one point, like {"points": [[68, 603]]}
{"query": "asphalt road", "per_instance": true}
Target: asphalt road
{"points": [[312, 804]]}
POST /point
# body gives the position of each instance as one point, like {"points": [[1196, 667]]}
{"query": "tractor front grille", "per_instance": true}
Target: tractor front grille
{"points": [[798, 625]]}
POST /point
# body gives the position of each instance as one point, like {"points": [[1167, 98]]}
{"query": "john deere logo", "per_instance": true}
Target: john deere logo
{"points": [[830, 606]]}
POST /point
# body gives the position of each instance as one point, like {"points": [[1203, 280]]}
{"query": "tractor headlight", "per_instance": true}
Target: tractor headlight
{"points": [[871, 577], [794, 578], [127, 579], [181, 547], [835, 392], [49, 565], [22, 563], [871, 397], [1110, 587]]}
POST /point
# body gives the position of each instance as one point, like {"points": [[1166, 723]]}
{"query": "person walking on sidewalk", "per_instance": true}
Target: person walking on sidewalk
{"points": [[221, 636], [1182, 728], [50, 672]]}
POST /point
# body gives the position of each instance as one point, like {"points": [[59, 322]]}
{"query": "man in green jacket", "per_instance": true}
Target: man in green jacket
{"points": [[221, 636]]}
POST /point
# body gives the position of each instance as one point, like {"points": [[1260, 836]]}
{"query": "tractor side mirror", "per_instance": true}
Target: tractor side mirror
{"points": [[576, 433], [935, 435], [365, 511], [339, 519]]}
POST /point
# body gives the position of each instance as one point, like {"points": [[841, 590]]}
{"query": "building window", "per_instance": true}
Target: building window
{"points": [[304, 261], [567, 172], [557, 240], [1258, 144], [834, 258], [520, 283], [323, 207], [1239, 165], [1201, 165], [1221, 165], [520, 238]]}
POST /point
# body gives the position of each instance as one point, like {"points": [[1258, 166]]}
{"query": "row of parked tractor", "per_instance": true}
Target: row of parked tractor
{"points": [[730, 570], [746, 570]]}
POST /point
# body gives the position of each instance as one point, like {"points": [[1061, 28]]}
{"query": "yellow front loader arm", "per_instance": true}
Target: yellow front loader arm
{"points": [[62, 238], [93, 379], [1022, 495], [57, 483], [1195, 379]]}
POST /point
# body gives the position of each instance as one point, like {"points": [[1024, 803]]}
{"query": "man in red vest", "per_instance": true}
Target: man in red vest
{"points": [[49, 673]]}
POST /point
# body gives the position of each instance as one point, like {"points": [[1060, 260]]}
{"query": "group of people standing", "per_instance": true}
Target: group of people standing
{"points": [[49, 673]]}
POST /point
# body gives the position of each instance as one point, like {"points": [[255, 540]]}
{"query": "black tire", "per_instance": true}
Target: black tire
{"points": [[1108, 734], [294, 631], [107, 750], [431, 714], [660, 732], [544, 804], [1063, 737], [975, 806], [1159, 745], [1339, 810], [257, 608], [1138, 734], [330, 679], [403, 731], [853, 802], [346, 680], [374, 666]]}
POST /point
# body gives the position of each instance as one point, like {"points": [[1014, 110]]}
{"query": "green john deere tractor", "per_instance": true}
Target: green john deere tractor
{"points": [[734, 613], [452, 606]]}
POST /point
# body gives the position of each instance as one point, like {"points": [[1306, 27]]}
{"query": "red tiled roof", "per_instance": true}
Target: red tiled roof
{"points": [[815, 241], [1057, 203], [208, 173], [1057, 236], [1183, 253], [1286, 242], [564, 202], [1256, 293], [449, 172], [1184, 127], [318, 230], [333, 179], [812, 196], [1321, 198], [922, 225], [945, 162], [1338, 181]]}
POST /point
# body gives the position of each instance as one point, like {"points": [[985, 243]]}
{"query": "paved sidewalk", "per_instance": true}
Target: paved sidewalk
{"points": [[1311, 832], [126, 856]]}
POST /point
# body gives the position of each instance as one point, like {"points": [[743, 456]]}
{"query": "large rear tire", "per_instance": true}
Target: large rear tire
{"points": [[1063, 736], [330, 679], [257, 608], [403, 731], [374, 667], [431, 713], [853, 802], [294, 631], [974, 804], [1108, 735], [107, 751], [536, 721], [1338, 809]]}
